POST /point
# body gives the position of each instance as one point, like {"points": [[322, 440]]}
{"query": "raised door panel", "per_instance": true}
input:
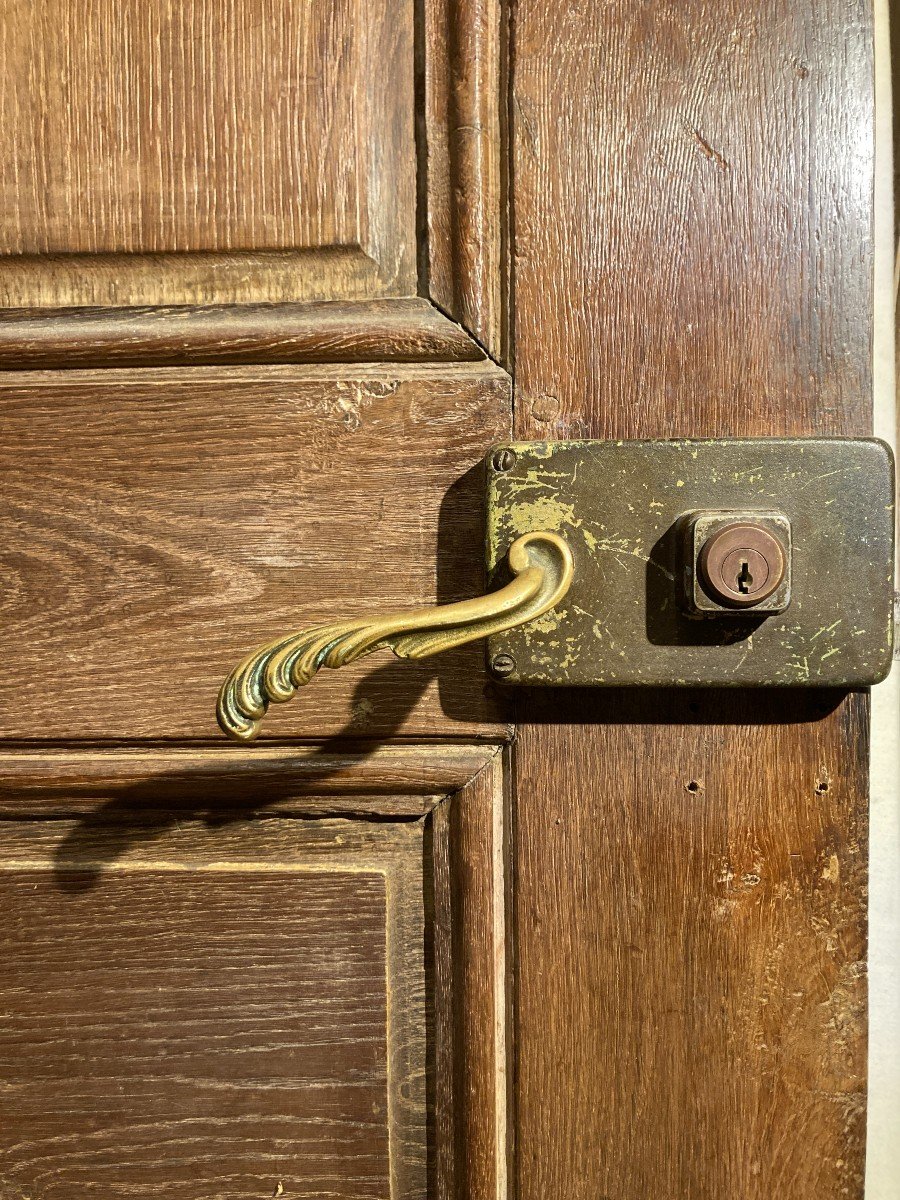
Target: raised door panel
{"points": [[213, 1016], [226, 1007], [208, 150], [247, 153]]}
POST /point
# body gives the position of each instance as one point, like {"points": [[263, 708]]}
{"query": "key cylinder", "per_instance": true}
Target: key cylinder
{"points": [[742, 564], [736, 562]]}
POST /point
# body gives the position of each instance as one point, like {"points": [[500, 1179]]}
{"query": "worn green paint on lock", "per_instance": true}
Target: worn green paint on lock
{"points": [[617, 505]]}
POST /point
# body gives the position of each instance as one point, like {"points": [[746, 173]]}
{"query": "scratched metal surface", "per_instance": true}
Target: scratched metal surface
{"points": [[617, 504]]}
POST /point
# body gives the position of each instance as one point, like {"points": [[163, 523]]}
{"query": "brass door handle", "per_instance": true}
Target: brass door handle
{"points": [[540, 562]]}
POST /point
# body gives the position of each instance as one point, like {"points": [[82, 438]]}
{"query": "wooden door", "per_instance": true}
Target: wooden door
{"points": [[271, 271]]}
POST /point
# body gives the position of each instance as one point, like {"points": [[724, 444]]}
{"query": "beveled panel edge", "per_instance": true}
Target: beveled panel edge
{"points": [[462, 165], [202, 846], [472, 987], [410, 330], [384, 780], [202, 277], [388, 151]]}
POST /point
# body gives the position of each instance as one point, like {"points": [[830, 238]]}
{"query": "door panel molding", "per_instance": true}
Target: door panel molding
{"points": [[464, 105], [141, 212], [399, 780], [330, 332], [303, 998], [473, 974]]}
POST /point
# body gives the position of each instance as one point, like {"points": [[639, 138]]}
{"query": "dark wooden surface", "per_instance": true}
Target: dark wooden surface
{"points": [[692, 250], [212, 987], [158, 527], [213, 1013], [465, 49], [364, 331], [471, 980], [213, 126], [362, 777]]}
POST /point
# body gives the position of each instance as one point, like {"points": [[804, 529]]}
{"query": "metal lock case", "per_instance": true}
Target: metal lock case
{"points": [[798, 590]]}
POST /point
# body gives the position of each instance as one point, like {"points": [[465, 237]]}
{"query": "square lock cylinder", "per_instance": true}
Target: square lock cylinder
{"points": [[736, 562]]}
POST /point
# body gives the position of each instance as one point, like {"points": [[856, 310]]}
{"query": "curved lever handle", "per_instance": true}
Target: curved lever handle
{"points": [[542, 566]]}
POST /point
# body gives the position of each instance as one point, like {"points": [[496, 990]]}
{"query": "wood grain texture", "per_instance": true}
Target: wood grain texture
{"points": [[463, 94], [391, 780], [734, 163], [207, 277], [373, 331], [692, 257], [471, 988], [159, 526], [213, 125], [257, 151], [214, 1013], [227, 1005]]}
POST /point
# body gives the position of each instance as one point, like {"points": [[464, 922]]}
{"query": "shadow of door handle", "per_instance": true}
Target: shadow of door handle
{"points": [[541, 564]]}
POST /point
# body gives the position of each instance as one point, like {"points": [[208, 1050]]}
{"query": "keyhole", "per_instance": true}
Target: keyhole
{"points": [[744, 579]]}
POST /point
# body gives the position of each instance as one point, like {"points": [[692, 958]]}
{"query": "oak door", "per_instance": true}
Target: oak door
{"points": [[270, 273]]}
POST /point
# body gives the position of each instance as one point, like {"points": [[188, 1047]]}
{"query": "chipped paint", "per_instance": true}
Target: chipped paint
{"points": [[826, 629], [616, 505], [831, 872]]}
